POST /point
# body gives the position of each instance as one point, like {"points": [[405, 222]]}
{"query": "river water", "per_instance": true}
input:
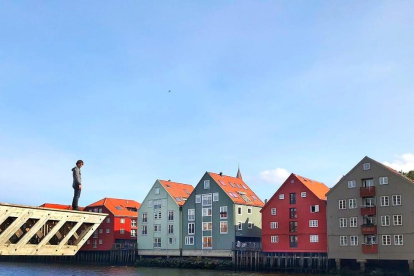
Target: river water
{"points": [[29, 269]]}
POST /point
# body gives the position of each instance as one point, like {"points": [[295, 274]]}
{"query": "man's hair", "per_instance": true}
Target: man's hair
{"points": [[79, 161]]}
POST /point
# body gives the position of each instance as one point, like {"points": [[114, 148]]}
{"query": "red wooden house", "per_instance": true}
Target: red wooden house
{"points": [[294, 218], [120, 226]]}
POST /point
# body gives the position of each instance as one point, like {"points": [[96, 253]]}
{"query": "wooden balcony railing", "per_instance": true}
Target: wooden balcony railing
{"points": [[370, 248], [368, 210], [369, 229], [367, 191]]}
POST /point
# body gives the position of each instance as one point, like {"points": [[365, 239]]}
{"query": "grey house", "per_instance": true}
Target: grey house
{"points": [[221, 211], [159, 219], [370, 215]]}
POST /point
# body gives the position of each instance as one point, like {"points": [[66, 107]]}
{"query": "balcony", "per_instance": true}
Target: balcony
{"points": [[367, 191], [368, 210], [370, 248], [368, 229]]}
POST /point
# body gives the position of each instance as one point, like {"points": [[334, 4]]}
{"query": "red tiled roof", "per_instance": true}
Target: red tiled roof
{"points": [[59, 206], [118, 207], [178, 191], [318, 188], [236, 189]]}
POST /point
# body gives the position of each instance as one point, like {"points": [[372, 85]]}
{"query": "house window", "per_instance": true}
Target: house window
{"points": [[273, 211], [122, 220], [95, 210], [293, 226], [207, 226], [370, 239], [385, 220], [274, 239], [170, 229], [343, 240], [100, 241], [144, 230], [351, 184], [386, 239], [157, 227], [191, 214], [198, 199], [133, 223], [88, 242], [240, 226], [100, 231], [353, 240], [189, 240], [293, 241], [170, 215], [383, 180], [342, 222], [207, 242], [100, 210], [108, 231], [223, 212], [171, 240], [282, 196], [207, 212], [191, 228], [150, 203], [369, 201], [133, 232], [250, 225], [157, 191], [368, 183], [94, 243], [108, 220], [292, 213], [223, 227], [352, 203], [157, 215], [206, 184], [398, 239], [342, 204], [95, 234], [292, 181], [157, 242], [385, 201], [313, 223], [206, 200], [239, 210], [314, 238], [274, 225], [366, 166], [396, 200], [249, 210], [292, 198], [215, 197], [303, 194], [121, 231], [353, 221], [314, 209], [397, 219]]}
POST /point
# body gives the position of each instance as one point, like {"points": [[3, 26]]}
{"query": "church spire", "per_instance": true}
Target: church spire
{"points": [[239, 174]]}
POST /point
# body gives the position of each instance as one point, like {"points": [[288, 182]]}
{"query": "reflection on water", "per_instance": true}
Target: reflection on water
{"points": [[26, 269]]}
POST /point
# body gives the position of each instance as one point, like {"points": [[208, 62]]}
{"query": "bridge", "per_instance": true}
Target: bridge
{"points": [[28, 230]]}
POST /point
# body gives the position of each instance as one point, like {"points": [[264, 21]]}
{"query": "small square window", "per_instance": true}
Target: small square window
{"points": [[351, 184], [303, 194], [383, 180], [249, 210], [282, 196], [366, 166]]}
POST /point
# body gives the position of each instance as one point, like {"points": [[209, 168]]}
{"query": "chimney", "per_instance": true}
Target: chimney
{"points": [[265, 200], [221, 174]]}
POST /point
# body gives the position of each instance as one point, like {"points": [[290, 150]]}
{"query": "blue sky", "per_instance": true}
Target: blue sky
{"points": [[309, 87]]}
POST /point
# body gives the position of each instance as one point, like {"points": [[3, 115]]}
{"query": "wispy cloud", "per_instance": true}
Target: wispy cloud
{"points": [[276, 176], [404, 162]]}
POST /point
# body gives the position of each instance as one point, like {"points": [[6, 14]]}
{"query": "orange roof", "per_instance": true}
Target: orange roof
{"points": [[318, 188], [236, 189], [178, 191], [118, 207], [59, 206]]}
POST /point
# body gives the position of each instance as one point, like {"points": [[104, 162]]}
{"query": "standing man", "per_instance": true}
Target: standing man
{"points": [[77, 184]]}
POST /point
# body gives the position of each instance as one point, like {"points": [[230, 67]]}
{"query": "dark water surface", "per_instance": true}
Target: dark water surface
{"points": [[25, 269]]}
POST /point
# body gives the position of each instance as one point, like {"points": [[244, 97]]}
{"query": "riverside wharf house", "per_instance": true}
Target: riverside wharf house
{"points": [[370, 216], [294, 218], [160, 218], [119, 228], [220, 213]]}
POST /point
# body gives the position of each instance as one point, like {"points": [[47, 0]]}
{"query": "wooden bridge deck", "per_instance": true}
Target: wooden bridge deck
{"points": [[28, 230]]}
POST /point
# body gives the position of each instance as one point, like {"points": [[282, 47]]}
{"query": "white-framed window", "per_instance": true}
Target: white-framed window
{"points": [[313, 223], [171, 240], [383, 180], [88, 242], [250, 225], [150, 204], [100, 231], [386, 239], [191, 214], [157, 242], [95, 210], [303, 194], [144, 230], [385, 220], [239, 210], [122, 220], [207, 226], [282, 196], [100, 210], [157, 191], [342, 204], [351, 184], [274, 225], [191, 228], [189, 240], [224, 227], [215, 196], [170, 215], [94, 243], [170, 229], [343, 240], [121, 231], [223, 212], [353, 240], [314, 208], [108, 220], [95, 234], [385, 201], [366, 166], [206, 199], [198, 199], [314, 238], [108, 231], [249, 210], [273, 211], [353, 221], [342, 222], [206, 184], [397, 219], [396, 200], [207, 242], [352, 203], [133, 223], [157, 215], [133, 232], [144, 217], [240, 225], [274, 239], [157, 227], [207, 212], [100, 241], [398, 239]]}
